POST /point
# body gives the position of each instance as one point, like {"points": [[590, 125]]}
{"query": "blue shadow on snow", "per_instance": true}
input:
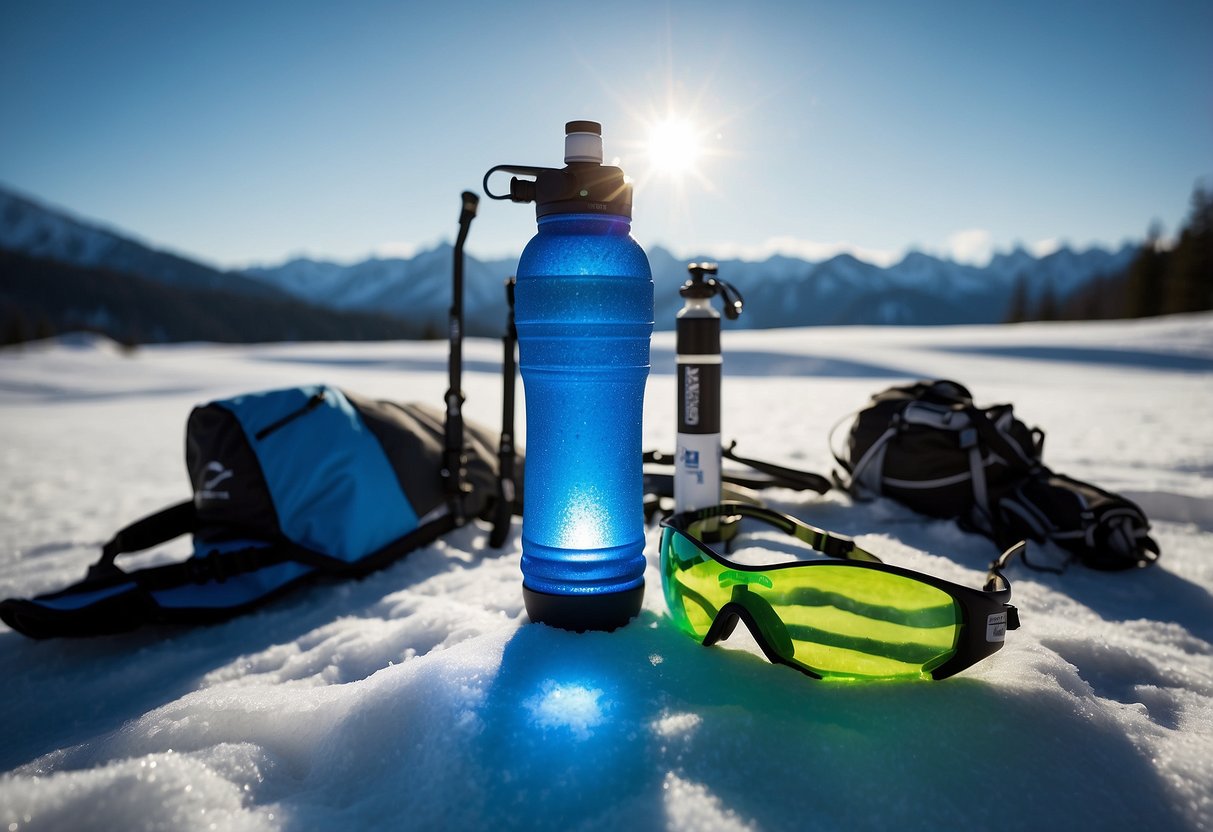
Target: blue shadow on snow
{"points": [[1141, 359]]}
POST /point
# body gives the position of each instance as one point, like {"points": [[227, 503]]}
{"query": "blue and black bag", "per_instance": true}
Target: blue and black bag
{"points": [[288, 484], [297, 483]]}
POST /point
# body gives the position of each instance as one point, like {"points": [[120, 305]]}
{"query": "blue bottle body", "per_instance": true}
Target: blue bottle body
{"points": [[584, 312]]}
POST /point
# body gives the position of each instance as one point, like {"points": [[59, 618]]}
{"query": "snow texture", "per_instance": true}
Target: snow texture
{"points": [[421, 698]]}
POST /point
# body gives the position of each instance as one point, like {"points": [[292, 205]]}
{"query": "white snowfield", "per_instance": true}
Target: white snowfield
{"points": [[420, 697]]}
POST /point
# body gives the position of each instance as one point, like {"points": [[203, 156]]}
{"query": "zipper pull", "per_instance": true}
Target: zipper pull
{"points": [[314, 402]]}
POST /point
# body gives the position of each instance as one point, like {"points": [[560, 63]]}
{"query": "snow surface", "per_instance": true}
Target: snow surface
{"points": [[421, 698]]}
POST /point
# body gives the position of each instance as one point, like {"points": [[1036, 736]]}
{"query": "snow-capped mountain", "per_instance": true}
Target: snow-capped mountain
{"points": [[59, 274], [34, 230], [781, 291], [417, 288], [921, 289]]}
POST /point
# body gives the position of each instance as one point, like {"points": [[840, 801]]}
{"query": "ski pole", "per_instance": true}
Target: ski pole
{"points": [[454, 459]]}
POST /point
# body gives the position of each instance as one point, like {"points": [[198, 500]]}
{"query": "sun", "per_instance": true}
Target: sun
{"points": [[673, 146]]}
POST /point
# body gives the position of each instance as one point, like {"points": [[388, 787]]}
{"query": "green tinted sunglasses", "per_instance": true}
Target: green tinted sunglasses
{"points": [[845, 617]]}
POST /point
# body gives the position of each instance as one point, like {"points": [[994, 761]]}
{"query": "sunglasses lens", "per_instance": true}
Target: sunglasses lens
{"points": [[839, 621], [691, 581], [845, 621]]}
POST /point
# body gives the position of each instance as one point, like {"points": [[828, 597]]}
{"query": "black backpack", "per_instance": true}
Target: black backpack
{"points": [[929, 447]]}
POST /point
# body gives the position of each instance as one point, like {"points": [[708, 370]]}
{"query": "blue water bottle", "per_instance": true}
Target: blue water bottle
{"points": [[584, 313]]}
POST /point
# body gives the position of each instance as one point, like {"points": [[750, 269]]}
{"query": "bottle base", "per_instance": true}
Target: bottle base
{"points": [[607, 611]]}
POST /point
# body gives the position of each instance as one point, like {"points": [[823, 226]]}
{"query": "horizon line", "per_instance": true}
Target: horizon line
{"points": [[808, 251], [969, 247]]}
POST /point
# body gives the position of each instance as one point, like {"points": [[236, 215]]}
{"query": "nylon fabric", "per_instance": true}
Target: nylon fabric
{"points": [[287, 484], [339, 498], [232, 592], [929, 447]]}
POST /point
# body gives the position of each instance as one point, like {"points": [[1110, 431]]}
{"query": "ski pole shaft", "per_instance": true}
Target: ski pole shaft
{"points": [[454, 458]]}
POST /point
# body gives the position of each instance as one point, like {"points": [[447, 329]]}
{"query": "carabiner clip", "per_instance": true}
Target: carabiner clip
{"points": [[521, 190]]}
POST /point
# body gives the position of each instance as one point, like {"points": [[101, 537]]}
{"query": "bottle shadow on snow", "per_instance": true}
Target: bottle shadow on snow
{"points": [[615, 730]]}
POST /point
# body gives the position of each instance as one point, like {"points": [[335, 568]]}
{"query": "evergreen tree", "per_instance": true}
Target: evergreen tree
{"points": [[1017, 311], [1047, 307], [1190, 273], [1147, 277], [43, 329], [15, 329], [1101, 298]]}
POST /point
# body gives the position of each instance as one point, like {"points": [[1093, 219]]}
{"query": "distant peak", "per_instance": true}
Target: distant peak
{"points": [[914, 258], [1016, 256], [845, 258]]}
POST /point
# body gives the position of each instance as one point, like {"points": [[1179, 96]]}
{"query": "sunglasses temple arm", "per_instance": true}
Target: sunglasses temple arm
{"points": [[833, 545], [995, 580]]}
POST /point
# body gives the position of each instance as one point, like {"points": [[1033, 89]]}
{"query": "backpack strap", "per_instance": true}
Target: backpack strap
{"points": [[1102, 529], [150, 531], [663, 484], [219, 565], [1010, 452], [659, 486], [780, 476], [113, 600], [985, 435], [177, 520], [872, 459]]}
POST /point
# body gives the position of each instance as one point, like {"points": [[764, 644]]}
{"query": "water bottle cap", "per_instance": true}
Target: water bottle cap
{"points": [[583, 142], [586, 185], [583, 186]]}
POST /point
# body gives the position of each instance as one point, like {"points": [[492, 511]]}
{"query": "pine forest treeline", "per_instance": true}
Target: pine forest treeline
{"points": [[1159, 280]]}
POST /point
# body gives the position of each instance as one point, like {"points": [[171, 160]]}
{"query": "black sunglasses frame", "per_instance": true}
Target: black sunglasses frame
{"points": [[984, 612]]}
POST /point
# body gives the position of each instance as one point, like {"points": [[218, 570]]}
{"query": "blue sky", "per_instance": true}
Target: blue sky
{"points": [[253, 132]]}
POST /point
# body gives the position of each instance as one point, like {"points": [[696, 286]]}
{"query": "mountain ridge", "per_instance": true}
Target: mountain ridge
{"points": [[919, 289], [29, 227]]}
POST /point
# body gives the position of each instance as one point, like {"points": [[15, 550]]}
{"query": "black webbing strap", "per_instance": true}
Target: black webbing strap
{"points": [[1013, 455], [769, 475], [781, 477], [180, 519], [214, 566], [219, 565], [131, 607], [662, 484], [152, 530]]}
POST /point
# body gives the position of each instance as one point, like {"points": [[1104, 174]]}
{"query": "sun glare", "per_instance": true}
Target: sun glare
{"points": [[673, 147]]}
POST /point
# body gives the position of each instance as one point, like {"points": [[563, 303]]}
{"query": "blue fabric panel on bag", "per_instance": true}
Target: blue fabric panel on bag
{"points": [[202, 547], [232, 592], [333, 488], [83, 599]]}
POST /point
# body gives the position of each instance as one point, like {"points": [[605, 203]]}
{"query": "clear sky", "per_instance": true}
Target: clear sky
{"points": [[242, 132]]}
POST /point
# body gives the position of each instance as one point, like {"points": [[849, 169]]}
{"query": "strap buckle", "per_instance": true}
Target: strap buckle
{"points": [[209, 567]]}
